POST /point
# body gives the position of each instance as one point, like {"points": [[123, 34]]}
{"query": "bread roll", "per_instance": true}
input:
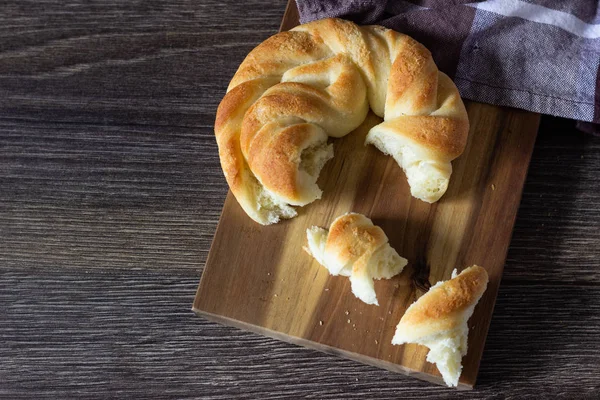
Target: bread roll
{"points": [[298, 88], [356, 248], [438, 320]]}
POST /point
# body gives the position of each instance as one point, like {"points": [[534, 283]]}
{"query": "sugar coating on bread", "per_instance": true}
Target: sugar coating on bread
{"points": [[356, 248], [299, 88], [438, 320]]}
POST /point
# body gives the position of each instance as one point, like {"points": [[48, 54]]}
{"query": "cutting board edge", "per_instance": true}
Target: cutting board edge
{"points": [[512, 232], [299, 341]]}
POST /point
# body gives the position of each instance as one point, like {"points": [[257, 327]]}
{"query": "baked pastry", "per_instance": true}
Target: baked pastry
{"points": [[355, 247], [438, 320], [298, 88]]}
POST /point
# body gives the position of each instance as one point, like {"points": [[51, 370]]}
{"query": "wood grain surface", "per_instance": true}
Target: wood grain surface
{"points": [[110, 192], [258, 278]]}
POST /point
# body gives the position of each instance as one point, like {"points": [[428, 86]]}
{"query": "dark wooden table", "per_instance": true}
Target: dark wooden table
{"points": [[110, 191]]}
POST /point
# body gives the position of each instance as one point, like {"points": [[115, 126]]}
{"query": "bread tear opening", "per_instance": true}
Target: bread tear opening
{"points": [[428, 180], [386, 263], [314, 158], [269, 208]]}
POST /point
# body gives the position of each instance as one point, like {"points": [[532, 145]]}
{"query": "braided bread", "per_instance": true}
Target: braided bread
{"points": [[319, 80], [356, 248]]}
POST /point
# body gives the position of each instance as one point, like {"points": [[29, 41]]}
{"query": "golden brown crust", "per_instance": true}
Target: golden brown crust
{"points": [[327, 73], [277, 54], [356, 248], [275, 152], [447, 301], [413, 80], [353, 235], [442, 135], [229, 115]]}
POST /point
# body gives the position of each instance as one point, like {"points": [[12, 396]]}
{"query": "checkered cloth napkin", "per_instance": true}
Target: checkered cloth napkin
{"points": [[538, 55]]}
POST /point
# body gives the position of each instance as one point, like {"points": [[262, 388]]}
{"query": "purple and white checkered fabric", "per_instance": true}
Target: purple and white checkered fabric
{"points": [[538, 55]]}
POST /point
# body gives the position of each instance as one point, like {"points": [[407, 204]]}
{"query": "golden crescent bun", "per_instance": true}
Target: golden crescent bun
{"points": [[438, 320], [319, 80], [356, 248]]}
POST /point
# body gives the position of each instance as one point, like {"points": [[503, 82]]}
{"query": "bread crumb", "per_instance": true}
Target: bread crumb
{"points": [[493, 187], [389, 312], [321, 323], [376, 341], [346, 312], [348, 321], [275, 295], [268, 273], [327, 289], [356, 379], [354, 325]]}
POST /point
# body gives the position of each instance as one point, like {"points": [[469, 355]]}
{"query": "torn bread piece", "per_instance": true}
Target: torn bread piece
{"points": [[356, 248], [438, 320]]}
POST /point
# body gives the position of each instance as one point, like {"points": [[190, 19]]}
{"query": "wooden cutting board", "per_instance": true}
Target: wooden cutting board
{"points": [[258, 278]]}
